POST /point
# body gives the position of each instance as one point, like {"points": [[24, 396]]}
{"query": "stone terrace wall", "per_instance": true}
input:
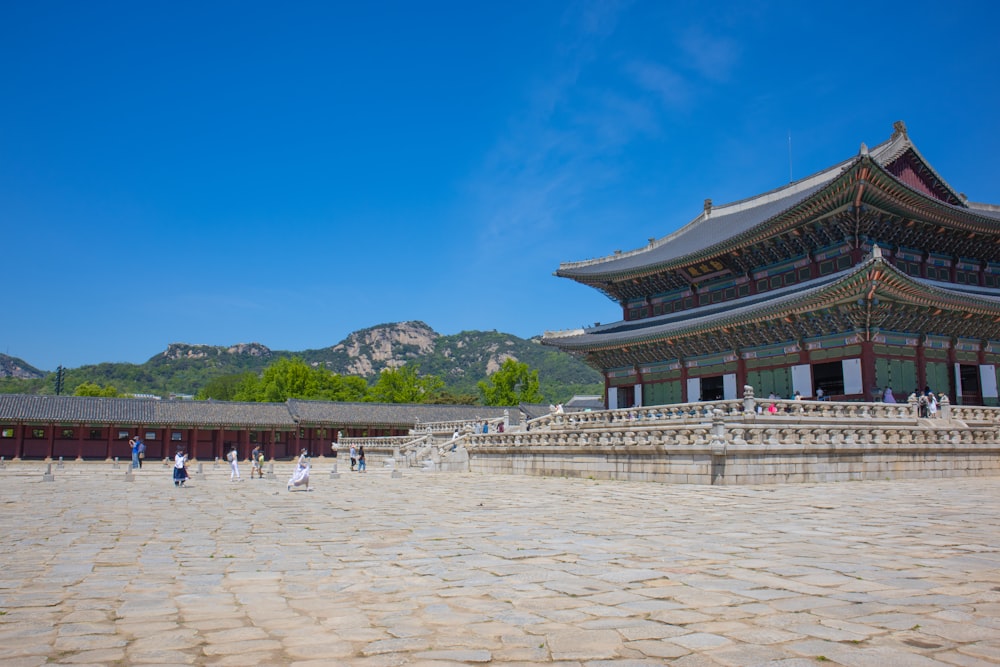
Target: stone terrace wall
{"points": [[730, 442], [749, 464]]}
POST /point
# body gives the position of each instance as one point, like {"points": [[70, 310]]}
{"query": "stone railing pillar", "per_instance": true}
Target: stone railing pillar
{"points": [[944, 407], [749, 403]]}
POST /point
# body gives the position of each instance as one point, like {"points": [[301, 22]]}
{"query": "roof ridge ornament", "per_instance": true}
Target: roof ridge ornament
{"points": [[876, 252], [708, 207], [863, 151], [899, 128]]}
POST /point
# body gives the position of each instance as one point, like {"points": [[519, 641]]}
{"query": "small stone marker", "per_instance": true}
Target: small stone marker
{"points": [[333, 473], [270, 471], [3, 461], [115, 464], [60, 464], [129, 477], [48, 476], [200, 474], [216, 466]]}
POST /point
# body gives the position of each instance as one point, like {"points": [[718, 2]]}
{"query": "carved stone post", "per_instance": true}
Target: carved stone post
{"points": [[717, 444], [944, 407], [749, 403]]}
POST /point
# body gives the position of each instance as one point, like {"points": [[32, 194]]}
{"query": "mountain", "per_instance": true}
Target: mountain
{"points": [[17, 368], [461, 360]]}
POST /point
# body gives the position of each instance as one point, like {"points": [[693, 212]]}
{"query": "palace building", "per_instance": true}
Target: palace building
{"points": [[872, 274], [85, 427]]}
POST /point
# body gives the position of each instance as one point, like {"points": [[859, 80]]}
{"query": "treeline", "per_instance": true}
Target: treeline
{"points": [[285, 378]]}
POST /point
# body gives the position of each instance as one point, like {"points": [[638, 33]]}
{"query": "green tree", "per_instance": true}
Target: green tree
{"points": [[222, 388], [513, 383], [294, 378], [405, 385], [91, 389]]}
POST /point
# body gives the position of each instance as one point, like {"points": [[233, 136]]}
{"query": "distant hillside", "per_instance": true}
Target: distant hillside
{"points": [[13, 367], [460, 360]]}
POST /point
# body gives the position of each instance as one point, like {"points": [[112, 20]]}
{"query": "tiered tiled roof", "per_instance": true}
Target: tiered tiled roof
{"points": [[215, 414], [718, 228], [76, 409], [388, 414], [945, 308]]}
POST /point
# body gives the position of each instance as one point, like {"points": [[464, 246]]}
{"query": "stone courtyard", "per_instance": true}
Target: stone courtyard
{"points": [[457, 568]]}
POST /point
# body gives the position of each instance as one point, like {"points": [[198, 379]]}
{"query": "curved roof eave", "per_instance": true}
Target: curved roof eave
{"points": [[757, 211], [921, 292], [728, 222], [979, 214]]}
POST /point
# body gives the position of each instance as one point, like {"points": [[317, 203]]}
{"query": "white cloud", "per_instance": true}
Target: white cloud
{"points": [[712, 56], [669, 86]]}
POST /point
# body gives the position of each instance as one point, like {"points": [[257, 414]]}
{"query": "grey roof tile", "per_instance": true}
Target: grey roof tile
{"points": [[213, 414]]}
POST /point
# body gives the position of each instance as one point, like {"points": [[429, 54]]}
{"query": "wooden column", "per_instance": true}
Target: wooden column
{"points": [[952, 383], [193, 439], [741, 373], [111, 441], [638, 383], [18, 441], [684, 381], [921, 368], [80, 428], [867, 368]]}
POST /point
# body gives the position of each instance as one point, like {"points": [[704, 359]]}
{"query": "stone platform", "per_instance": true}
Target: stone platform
{"points": [[450, 569]]}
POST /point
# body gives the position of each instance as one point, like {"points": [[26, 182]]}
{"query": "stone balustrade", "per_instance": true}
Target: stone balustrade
{"points": [[737, 410], [447, 428], [376, 442], [748, 441]]}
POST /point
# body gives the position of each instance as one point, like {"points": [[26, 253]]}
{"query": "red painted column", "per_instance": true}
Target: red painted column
{"points": [[639, 383], [18, 441], [741, 373], [193, 439], [867, 368], [684, 381], [52, 441], [922, 370], [952, 360], [80, 428], [111, 442]]}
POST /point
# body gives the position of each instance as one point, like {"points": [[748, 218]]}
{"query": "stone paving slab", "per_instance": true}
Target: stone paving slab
{"points": [[452, 569]]}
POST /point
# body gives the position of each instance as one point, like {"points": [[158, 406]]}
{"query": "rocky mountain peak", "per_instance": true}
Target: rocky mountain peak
{"points": [[11, 367], [187, 351], [386, 346]]}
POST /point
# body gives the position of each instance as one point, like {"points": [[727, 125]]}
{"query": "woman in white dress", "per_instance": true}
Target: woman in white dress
{"points": [[301, 475]]}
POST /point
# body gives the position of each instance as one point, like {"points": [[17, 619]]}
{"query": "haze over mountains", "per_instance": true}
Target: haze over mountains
{"points": [[461, 360]]}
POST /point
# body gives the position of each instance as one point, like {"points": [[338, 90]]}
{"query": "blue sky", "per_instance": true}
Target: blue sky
{"points": [[287, 173]]}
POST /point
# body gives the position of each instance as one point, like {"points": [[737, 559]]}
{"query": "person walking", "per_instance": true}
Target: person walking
{"points": [[180, 468], [140, 446], [257, 462], [234, 465], [361, 459], [135, 452], [300, 477], [354, 457]]}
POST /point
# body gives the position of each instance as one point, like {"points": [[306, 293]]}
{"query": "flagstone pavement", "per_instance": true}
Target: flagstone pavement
{"points": [[451, 569]]}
